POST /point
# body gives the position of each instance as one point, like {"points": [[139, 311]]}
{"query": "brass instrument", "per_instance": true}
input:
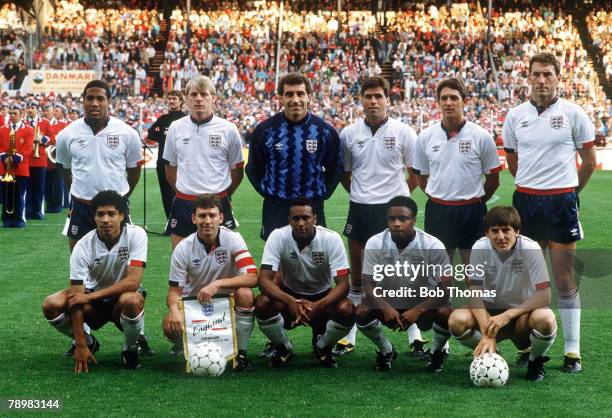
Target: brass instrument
{"points": [[36, 141], [9, 176], [51, 154]]}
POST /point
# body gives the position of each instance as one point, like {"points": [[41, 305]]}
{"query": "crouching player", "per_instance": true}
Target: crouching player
{"points": [[516, 289], [106, 269], [213, 260], [396, 300], [308, 257]]}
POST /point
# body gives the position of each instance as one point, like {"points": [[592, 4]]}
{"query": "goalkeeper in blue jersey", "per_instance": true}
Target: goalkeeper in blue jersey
{"points": [[293, 154]]}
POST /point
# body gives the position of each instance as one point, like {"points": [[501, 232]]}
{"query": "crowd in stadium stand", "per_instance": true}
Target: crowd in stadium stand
{"points": [[236, 46], [600, 27]]}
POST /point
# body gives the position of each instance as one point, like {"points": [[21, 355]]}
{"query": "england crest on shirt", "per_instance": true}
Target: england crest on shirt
{"points": [[312, 145], [465, 146], [221, 256], [112, 141], [389, 142], [318, 257], [518, 266], [556, 122], [214, 141], [123, 254]]}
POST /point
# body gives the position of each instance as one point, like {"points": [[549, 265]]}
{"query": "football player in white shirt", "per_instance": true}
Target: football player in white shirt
{"points": [[510, 271], [378, 152], [401, 244], [452, 157], [98, 152], [541, 138], [213, 260], [204, 154], [106, 268], [309, 257]]}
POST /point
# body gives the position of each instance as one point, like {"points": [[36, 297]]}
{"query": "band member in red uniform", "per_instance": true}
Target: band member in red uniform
{"points": [[14, 162], [54, 184], [38, 162]]}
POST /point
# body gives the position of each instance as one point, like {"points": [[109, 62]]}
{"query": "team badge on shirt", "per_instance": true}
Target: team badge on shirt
{"points": [[214, 141], [112, 141], [221, 256], [556, 122], [465, 146], [312, 145], [389, 142], [518, 266], [318, 257], [123, 254]]}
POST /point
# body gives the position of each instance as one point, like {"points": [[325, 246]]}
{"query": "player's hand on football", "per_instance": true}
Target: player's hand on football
{"points": [[207, 292], [409, 317], [78, 299], [486, 345], [82, 357], [392, 318], [496, 323]]}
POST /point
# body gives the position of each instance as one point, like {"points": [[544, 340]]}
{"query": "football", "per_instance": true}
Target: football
{"points": [[489, 370], [207, 359]]}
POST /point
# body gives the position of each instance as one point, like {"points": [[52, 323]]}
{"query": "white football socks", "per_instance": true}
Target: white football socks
{"points": [[374, 331], [333, 332], [245, 320], [569, 311], [540, 343], [132, 328], [469, 338], [62, 324], [273, 328], [440, 338]]}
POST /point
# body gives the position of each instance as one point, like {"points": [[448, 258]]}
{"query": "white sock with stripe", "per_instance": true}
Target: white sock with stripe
{"points": [[132, 328], [569, 311], [273, 328], [245, 320], [374, 331]]}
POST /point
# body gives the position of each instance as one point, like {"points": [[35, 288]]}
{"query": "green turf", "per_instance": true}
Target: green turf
{"points": [[34, 263]]}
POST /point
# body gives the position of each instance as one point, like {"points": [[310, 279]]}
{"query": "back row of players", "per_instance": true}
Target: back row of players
{"points": [[295, 154]]}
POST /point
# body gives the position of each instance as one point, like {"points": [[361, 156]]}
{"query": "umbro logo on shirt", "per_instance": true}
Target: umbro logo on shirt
{"points": [[435, 148], [186, 141], [293, 254], [524, 124], [196, 262], [278, 146]]}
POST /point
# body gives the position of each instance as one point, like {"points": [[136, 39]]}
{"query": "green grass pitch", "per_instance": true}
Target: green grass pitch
{"points": [[34, 263]]}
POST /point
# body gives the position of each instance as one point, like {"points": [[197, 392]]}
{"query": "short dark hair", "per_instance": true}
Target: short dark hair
{"points": [[110, 198], [294, 79], [502, 216], [545, 58], [404, 201], [100, 84], [452, 83], [176, 93], [374, 82], [207, 201], [302, 201]]}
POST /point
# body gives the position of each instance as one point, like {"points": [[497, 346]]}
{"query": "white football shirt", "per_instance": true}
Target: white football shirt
{"points": [[455, 166], [204, 154], [311, 270], [424, 250], [378, 162], [192, 267], [95, 266], [98, 162], [546, 144], [515, 279]]}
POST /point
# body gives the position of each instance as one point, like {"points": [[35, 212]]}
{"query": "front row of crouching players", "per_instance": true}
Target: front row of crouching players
{"points": [[213, 260], [517, 272], [107, 265]]}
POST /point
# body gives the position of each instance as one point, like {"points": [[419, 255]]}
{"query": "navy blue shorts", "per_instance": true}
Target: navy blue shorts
{"points": [[82, 218], [365, 220], [275, 214], [180, 222], [456, 226], [551, 217]]}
